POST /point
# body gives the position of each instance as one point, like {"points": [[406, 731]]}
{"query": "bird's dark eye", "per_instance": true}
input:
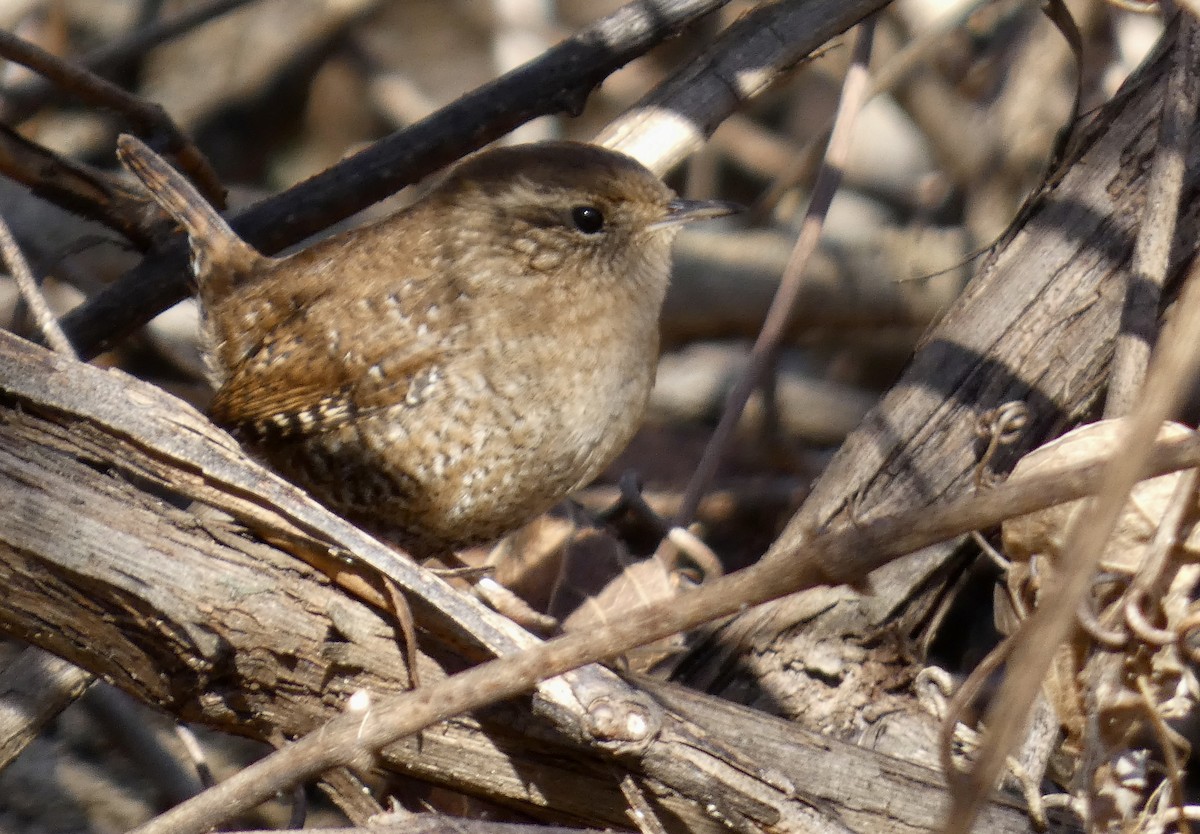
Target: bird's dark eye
{"points": [[587, 219]]}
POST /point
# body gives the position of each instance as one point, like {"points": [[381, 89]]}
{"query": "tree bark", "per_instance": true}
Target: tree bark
{"points": [[124, 550]]}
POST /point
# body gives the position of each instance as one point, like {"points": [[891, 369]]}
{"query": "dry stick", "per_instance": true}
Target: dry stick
{"points": [[1150, 576], [1174, 768], [843, 555], [147, 118], [640, 812], [23, 101], [43, 316], [1152, 580], [195, 753], [75, 186], [854, 95], [1174, 365], [1152, 253], [672, 121], [893, 73], [35, 687]]}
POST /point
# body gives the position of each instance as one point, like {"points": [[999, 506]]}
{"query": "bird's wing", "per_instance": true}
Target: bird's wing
{"points": [[298, 381]]}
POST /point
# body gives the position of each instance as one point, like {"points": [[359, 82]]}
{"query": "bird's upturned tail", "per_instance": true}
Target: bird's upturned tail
{"points": [[219, 256]]}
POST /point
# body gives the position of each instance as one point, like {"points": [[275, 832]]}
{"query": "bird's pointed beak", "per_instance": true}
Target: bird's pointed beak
{"points": [[685, 211]]}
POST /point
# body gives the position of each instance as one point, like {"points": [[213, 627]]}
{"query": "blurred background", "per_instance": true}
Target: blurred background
{"points": [[970, 98]]}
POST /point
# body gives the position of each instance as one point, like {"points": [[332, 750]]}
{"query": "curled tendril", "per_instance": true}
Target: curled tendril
{"points": [[1001, 426]]}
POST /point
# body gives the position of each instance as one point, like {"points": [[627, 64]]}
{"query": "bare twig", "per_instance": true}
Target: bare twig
{"points": [[1151, 255], [75, 186], [34, 688], [299, 812], [1000, 426], [854, 94], [641, 813], [22, 101], [147, 118], [691, 545], [893, 73], [675, 540], [196, 755], [673, 120], [1167, 742], [46, 321]]}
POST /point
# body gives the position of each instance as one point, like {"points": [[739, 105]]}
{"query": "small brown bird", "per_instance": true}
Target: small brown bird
{"points": [[447, 373]]}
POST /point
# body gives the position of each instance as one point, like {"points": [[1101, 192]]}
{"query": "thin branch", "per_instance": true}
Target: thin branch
{"points": [[925, 46], [35, 687], [855, 90], [43, 316], [75, 186], [147, 118], [23, 101], [1152, 254], [674, 119]]}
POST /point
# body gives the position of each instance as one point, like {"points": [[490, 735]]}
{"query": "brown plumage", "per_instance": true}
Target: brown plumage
{"points": [[447, 373]]}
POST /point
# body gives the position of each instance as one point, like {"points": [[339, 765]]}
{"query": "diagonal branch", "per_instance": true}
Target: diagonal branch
{"points": [[147, 118]]}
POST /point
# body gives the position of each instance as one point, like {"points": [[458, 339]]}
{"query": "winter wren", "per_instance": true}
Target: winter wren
{"points": [[447, 373]]}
